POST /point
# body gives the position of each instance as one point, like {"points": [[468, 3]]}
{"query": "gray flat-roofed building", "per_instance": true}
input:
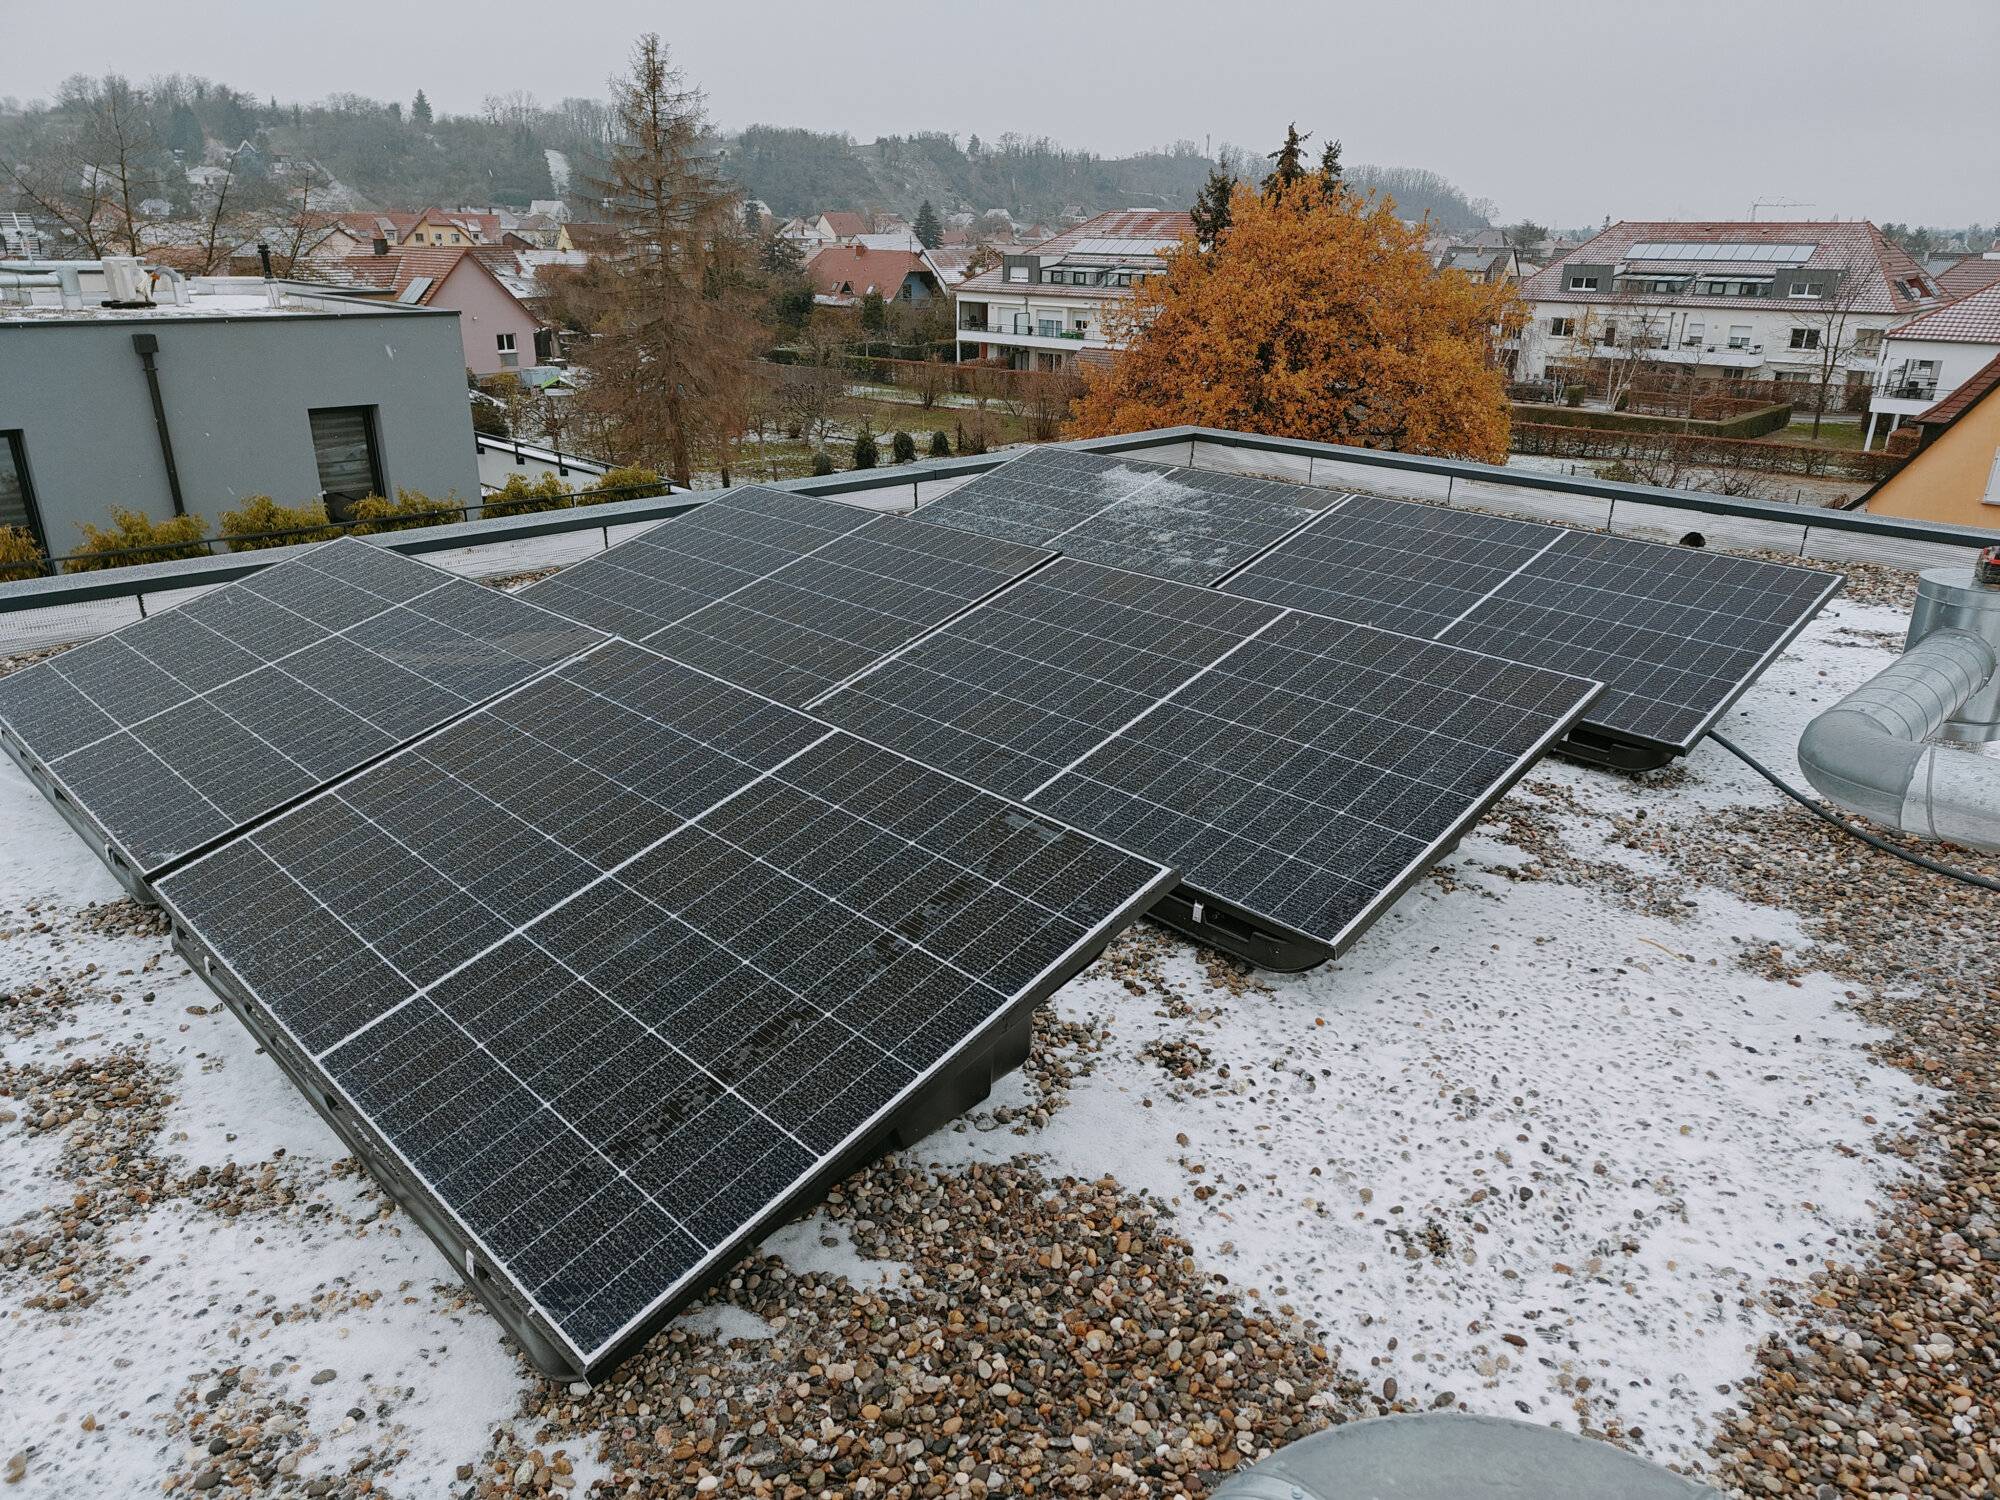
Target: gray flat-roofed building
{"points": [[237, 388]]}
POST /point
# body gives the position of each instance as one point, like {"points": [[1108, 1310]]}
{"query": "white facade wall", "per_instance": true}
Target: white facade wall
{"points": [[1956, 361], [1700, 337]]}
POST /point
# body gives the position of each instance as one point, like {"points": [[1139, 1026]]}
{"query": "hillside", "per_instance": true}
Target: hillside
{"points": [[375, 154]]}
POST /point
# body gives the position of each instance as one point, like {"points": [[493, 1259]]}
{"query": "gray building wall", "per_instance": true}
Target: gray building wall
{"points": [[236, 392]]}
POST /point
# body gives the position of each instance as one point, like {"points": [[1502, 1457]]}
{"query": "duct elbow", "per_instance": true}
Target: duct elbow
{"points": [[1870, 754]]}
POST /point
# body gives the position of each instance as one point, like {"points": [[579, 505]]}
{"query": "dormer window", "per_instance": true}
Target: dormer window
{"points": [[1582, 283], [1808, 289]]}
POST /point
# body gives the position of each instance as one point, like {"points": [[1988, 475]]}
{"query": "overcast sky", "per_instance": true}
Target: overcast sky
{"points": [[1559, 111]]}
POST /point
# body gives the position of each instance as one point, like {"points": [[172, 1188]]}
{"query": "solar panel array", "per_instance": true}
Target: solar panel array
{"points": [[606, 955], [623, 964], [1186, 524], [1295, 769], [176, 730], [1675, 633], [783, 594], [693, 559]]}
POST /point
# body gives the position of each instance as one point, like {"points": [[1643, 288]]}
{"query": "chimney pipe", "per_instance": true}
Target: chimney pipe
{"points": [[264, 257]]}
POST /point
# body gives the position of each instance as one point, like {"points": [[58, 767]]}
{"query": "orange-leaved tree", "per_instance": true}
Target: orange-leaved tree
{"points": [[1315, 314]]}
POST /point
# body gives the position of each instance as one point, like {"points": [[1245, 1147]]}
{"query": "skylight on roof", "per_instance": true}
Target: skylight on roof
{"points": [[1717, 250], [1108, 246]]}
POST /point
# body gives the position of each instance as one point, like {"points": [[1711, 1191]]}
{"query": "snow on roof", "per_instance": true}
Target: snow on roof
{"points": [[1543, 1125], [208, 297]]}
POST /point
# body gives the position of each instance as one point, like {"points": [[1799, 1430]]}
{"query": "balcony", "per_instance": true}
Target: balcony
{"points": [[1008, 336], [1910, 390]]}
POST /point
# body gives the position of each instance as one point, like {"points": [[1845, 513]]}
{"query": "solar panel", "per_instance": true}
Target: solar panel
{"points": [[801, 630], [1190, 525], [1675, 633], [1297, 770], [694, 559], [609, 977], [170, 733]]}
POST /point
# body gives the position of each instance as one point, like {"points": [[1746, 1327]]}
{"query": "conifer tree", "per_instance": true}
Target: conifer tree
{"points": [[1289, 160], [1211, 210], [929, 231], [420, 111]]}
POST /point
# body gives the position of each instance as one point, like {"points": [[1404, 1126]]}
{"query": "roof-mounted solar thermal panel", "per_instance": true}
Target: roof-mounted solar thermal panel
{"points": [[1190, 525], [161, 738], [1676, 633], [818, 621], [691, 560], [1299, 772], [617, 974]]}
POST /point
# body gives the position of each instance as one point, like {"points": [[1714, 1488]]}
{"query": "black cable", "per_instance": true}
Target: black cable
{"points": [[1968, 876]]}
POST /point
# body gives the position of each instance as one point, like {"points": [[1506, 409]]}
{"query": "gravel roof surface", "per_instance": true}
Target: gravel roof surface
{"points": [[1659, 1112]]}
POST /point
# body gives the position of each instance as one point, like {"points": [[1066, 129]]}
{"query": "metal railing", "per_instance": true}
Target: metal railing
{"points": [[74, 606], [237, 542]]}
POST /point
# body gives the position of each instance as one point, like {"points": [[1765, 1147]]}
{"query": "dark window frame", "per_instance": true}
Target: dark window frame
{"points": [[15, 442], [372, 430]]}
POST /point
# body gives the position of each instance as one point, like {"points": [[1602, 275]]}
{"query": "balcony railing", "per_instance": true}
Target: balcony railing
{"points": [[1910, 390]]}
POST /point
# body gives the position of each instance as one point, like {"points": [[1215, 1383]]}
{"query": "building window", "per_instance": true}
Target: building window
{"points": [[1992, 495], [1808, 289], [17, 496], [504, 342], [1739, 335], [1017, 273], [1583, 283], [1049, 327], [348, 457], [1610, 333], [1805, 338], [1562, 328], [1868, 341], [1692, 338]]}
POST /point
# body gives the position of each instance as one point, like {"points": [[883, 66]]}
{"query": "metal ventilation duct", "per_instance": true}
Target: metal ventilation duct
{"points": [[1873, 752]]}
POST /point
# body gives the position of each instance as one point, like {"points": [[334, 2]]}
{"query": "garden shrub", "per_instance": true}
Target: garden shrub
{"points": [[408, 511], [260, 513], [521, 496], [135, 537]]}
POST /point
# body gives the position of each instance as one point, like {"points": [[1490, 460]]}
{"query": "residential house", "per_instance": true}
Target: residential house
{"points": [[1043, 308], [550, 208], [1483, 263], [842, 275], [815, 231], [1954, 475], [1927, 359], [435, 227], [498, 332], [239, 387], [1747, 301]]}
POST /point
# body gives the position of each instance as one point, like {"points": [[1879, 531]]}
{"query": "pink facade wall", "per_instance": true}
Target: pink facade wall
{"points": [[485, 311]]}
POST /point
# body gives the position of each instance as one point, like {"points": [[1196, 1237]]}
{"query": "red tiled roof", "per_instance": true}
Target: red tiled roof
{"points": [[1154, 224], [1871, 261], [1973, 319], [853, 270], [842, 222], [1970, 273], [395, 271], [1983, 382]]}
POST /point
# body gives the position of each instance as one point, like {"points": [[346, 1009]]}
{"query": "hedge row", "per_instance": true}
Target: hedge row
{"points": [[1750, 424], [1551, 440]]}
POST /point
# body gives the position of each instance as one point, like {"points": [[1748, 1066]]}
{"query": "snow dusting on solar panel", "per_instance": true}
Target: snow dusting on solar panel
{"points": [[175, 731], [609, 978]]}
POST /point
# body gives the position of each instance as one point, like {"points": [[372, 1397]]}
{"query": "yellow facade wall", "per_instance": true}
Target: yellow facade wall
{"points": [[1945, 482]]}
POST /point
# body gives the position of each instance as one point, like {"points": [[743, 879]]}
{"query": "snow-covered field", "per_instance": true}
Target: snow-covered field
{"points": [[1539, 1145]]}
